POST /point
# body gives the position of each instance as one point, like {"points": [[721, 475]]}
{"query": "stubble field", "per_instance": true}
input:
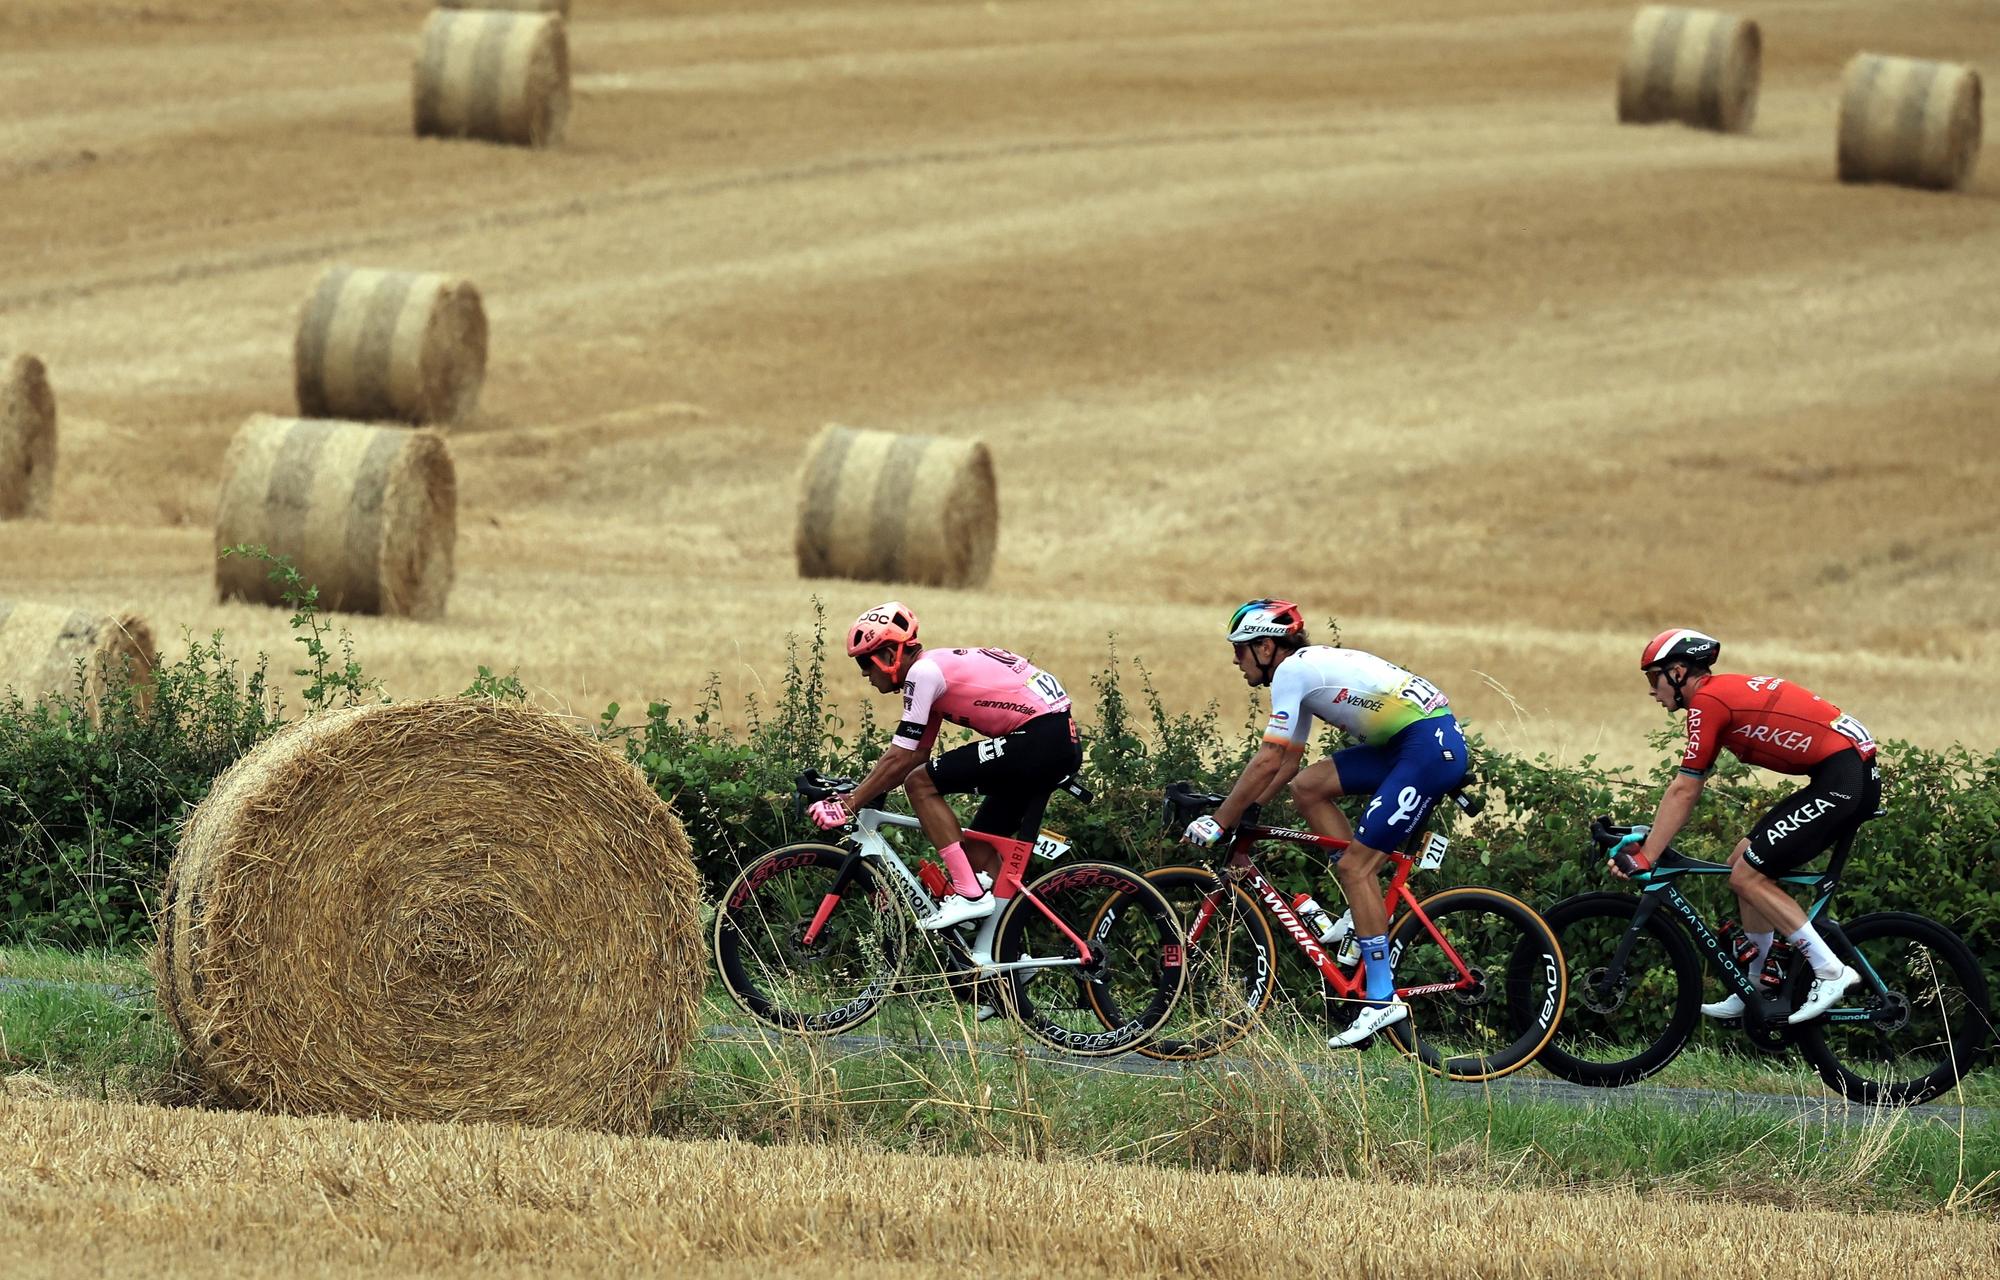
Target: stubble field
{"points": [[1376, 309]]}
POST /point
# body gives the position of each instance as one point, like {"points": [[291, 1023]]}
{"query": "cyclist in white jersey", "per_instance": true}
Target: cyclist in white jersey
{"points": [[1408, 754]]}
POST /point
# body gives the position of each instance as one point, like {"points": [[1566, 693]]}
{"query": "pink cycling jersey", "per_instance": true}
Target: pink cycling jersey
{"points": [[990, 691]]}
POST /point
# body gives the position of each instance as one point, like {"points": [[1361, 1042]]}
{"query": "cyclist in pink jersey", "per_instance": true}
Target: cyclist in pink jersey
{"points": [[1774, 724], [1031, 744]]}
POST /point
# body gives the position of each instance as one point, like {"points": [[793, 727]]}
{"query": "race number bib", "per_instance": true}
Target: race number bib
{"points": [[1048, 689], [1051, 845], [1426, 695], [1850, 728]]}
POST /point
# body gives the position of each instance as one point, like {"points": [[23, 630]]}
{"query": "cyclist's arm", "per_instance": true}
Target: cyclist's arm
{"points": [[1269, 769], [886, 776], [1675, 806]]}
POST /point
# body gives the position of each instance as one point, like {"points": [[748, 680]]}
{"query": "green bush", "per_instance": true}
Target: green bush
{"points": [[88, 811]]}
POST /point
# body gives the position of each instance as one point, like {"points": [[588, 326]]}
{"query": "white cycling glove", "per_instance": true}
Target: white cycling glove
{"points": [[1204, 831]]}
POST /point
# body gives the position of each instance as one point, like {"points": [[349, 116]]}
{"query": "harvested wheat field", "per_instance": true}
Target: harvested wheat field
{"points": [[203, 1194], [1377, 307]]}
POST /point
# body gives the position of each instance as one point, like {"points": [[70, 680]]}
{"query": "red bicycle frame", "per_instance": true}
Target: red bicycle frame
{"points": [[1397, 894]]}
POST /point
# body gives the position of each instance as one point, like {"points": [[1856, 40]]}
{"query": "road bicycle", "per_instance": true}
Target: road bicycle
{"points": [[1917, 1022], [812, 938], [1484, 976]]}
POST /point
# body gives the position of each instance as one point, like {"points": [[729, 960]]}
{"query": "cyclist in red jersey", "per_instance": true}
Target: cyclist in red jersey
{"points": [[1774, 724], [1031, 745]]}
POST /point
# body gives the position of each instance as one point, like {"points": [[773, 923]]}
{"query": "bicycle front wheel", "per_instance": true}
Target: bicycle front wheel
{"points": [[1620, 1029], [1484, 979], [1916, 1023], [1231, 961], [833, 982], [1119, 995]]}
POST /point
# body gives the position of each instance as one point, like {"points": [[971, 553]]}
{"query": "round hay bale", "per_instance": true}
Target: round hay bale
{"points": [[1909, 121], [897, 508], [27, 439], [1696, 66], [501, 77], [444, 910], [42, 644], [558, 7], [369, 515], [400, 345]]}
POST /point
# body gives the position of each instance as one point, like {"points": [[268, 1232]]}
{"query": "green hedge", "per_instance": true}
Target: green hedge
{"points": [[88, 810]]}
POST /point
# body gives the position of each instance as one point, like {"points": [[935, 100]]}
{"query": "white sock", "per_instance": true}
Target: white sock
{"points": [[1813, 947], [1764, 941]]}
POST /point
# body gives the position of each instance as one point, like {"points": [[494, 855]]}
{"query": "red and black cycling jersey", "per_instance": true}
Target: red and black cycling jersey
{"points": [[1768, 722]]}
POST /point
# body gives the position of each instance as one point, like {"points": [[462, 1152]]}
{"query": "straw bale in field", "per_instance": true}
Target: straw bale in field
{"points": [[27, 439], [456, 909], [501, 77], [1696, 66], [897, 508], [42, 644], [1908, 121], [369, 515], [558, 7], [401, 345]]}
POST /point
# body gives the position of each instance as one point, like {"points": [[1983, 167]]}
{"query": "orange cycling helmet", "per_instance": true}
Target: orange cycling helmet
{"points": [[891, 625]]}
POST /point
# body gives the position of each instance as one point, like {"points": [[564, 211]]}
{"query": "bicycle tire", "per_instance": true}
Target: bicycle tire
{"points": [[1607, 1039], [833, 986], [1931, 1014], [1231, 969], [1127, 992], [1491, 1030]]}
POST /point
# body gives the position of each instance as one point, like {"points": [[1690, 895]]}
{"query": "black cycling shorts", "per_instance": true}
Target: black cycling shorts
{"points": [[1845, 792], [1014, 772]]}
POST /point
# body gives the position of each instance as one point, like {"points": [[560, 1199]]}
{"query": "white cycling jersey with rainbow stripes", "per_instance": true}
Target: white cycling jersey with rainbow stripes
{"points": [[1369, 697]]}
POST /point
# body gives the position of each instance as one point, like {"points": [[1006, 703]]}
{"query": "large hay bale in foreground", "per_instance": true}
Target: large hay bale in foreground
{"points": [[1909, 121], [897, 508], [369, 515], [402, 345], [455, 909], [500, 77], [1696, 66], [558, 7], [27, 439], [41, 645]]}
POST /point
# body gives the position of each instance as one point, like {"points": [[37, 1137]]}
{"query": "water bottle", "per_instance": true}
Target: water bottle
{"points": [[1314, 916], [1349, 953]]}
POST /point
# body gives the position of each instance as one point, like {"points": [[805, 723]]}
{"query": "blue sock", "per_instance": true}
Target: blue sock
{"points": [[1375, 957]]}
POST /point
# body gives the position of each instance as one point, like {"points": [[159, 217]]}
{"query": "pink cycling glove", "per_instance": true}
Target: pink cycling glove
{"points": [[827, 814]]}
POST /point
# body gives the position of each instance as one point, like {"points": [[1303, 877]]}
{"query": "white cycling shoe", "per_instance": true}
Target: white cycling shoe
{"points": [[1824, 994], [1370, 1020], [1730, 1007], [957, 910]]}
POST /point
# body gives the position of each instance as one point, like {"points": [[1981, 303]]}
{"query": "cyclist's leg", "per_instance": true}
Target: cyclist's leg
{"points": [[1014, 774], [1841, 795]]}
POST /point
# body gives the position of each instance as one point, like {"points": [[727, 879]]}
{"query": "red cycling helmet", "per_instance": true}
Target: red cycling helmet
{"points": [[1680, 645], [886, 626], [1693, 648]]}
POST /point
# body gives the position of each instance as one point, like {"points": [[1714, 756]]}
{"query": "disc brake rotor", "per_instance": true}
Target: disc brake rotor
{"points": [[1600, 996]]}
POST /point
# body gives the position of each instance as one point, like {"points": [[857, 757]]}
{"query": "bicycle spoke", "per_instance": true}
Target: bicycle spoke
{"points": [[831, 982]]}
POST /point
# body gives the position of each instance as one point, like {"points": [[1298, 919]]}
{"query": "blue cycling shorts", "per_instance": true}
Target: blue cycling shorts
{"points": [[1407, 774]]}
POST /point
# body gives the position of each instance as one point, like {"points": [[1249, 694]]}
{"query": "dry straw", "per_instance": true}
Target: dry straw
{"points": [[1908, 121], [558, 7], [897, 508], [401, 345], [443, 910], [501, 77], [27, 439], [1695, 66], [369, 515], [42, 645]]}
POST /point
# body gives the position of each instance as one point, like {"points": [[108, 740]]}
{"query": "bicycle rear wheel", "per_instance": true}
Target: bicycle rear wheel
{"points": [[1230, 962], [1492, 1009], [1919, 1020], [1617, 1032], [837, 981], [1123, 995]]}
